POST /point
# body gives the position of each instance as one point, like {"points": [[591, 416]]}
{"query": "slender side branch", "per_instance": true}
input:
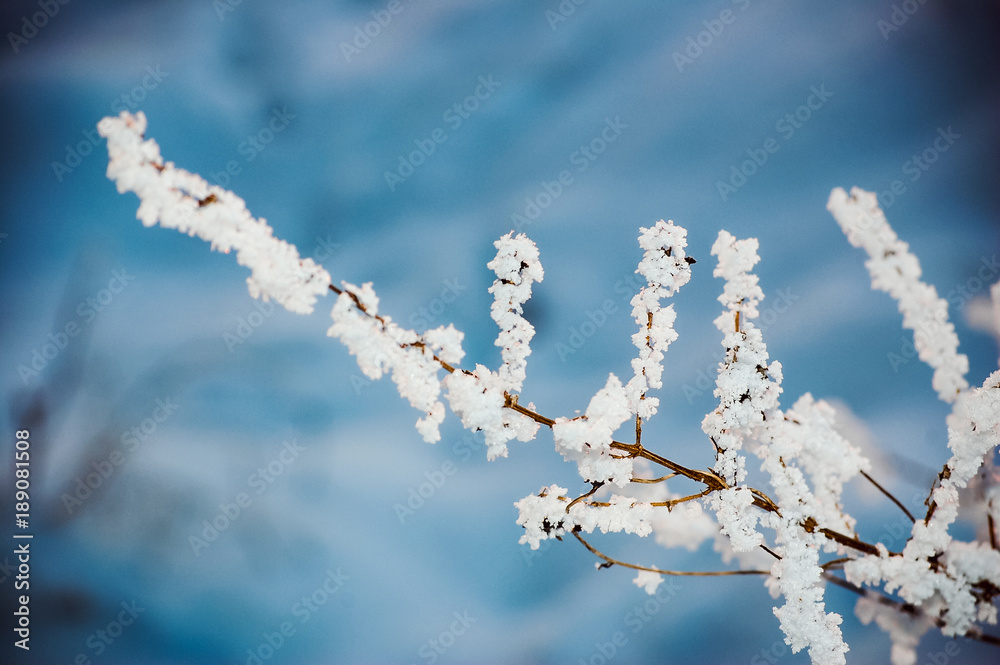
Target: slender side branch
{"points": [[593, 490], [683, 573], [888, 494], [653, 481]]}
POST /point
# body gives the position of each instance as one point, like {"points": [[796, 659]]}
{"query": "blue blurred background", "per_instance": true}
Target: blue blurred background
{"points": [[151, 420]]}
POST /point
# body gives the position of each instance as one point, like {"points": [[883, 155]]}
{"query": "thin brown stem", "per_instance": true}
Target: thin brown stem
{"points": [[848, 541], [673, 502], [511, 403], [770, 551], [593, 490], [653, 481], [889, 494], [682, 573], [836, 564]]}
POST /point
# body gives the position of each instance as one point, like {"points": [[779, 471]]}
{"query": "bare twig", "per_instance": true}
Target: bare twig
{"points": [[596, 486], [653, 481], [681, 573], [888, 494]]}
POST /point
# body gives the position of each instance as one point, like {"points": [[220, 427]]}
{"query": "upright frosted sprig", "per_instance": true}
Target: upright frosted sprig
{"points": [[748, 385], [896, 271], [517, 267], [480, 397], [666, 268], [741, 293], [181, 200]]}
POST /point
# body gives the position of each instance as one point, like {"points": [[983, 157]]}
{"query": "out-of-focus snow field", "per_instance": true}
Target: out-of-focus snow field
{"points": [[213, 81]]}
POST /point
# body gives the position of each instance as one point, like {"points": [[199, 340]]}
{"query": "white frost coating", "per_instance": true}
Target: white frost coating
{"points": [[737, 518], [448, 342], [544, 516], [381, 346], [587, 439], [747, 386], [828, 459], [803, 617], [742, 292], [743, 387], [478, 399], [896, 271], [517, 267], [183, 201], [973, 432], [797, 575], [974, 561], [666, 269], [648, 581]]}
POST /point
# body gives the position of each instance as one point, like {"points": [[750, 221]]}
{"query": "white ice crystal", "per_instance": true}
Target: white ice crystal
{"points": [[748, 385], [184, 201], [803, 617], [478, 399], [587, 439], [545, 516], [666, 268], [737, 519], [828, 459], [517, 267], [381, 347]]}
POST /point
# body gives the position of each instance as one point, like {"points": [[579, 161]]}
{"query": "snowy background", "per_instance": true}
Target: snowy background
{"points": [[212, 76]]}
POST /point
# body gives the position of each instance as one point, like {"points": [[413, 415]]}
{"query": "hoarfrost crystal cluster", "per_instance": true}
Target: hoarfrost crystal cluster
{"points": [[807, 463], [184, 201]]}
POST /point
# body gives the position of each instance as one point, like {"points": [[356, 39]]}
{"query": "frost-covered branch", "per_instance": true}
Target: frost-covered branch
{"points": [[381, 346], [799, 521], [181, 200], [896, 271]]}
